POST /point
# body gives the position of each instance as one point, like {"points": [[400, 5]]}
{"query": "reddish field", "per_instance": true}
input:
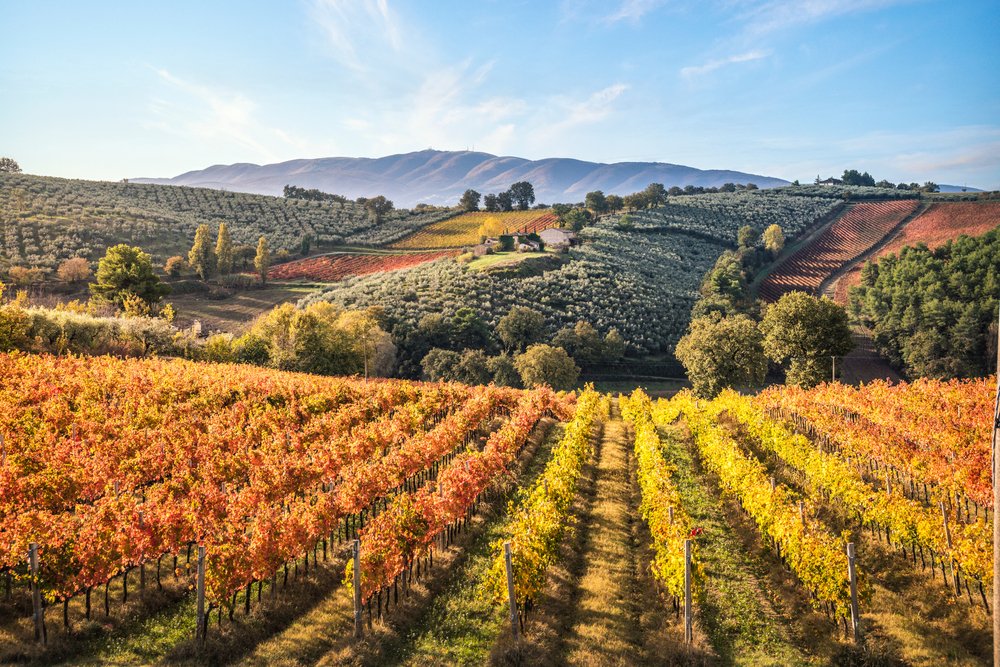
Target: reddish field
{"points": [[853, 233], [330, 268], [938, 225]]}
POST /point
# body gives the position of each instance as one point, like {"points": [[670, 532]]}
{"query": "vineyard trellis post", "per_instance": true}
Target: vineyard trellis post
{"points": [[358, 629], [996, 504], [199, 632], [36, 595], [688, 612], [511, 599], [853, 577]]}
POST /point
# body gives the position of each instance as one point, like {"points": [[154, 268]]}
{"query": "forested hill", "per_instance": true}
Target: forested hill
{"points": [[44, 220], [440, 177]]}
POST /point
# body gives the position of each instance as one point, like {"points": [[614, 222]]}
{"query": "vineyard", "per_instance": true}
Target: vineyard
{"points": [[838, 509], [858, 229], [338, 266], [463, 230], [45, 220], [940, 223]]}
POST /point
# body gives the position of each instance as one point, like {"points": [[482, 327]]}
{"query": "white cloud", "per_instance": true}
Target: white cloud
{"points": [[355, 29], [595, 108], [778, 15], [193, 110], [712, 65], [633, 10]]}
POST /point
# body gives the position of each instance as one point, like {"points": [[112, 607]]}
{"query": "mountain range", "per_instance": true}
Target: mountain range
{"points": [[440, 177]]}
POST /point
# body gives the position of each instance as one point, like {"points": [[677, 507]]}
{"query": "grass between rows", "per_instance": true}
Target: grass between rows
{"points": [[912, 618], [742, 615], [458, 626]]}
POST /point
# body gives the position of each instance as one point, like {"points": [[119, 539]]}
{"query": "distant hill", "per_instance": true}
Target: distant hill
{"points": [[957, 188], [440, 177]]}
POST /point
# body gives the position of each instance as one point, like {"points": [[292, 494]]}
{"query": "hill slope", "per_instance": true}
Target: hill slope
{"points": [[440, 177], [44, 220]]}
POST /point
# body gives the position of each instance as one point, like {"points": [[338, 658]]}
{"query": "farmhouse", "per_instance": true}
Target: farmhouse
{"points": [[555, 238]]}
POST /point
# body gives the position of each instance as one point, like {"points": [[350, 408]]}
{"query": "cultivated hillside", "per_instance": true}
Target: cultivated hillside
{"points": [[44, 220], [440, 177]]}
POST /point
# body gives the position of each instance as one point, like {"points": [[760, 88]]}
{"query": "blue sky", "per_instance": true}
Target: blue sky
{"points": [[908, 90]]}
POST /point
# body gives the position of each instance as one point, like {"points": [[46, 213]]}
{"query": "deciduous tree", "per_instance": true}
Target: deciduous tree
{"points": [[201, 258], [262, 260], [224, 251], [719, 352], [546, 365], [805, 332]]}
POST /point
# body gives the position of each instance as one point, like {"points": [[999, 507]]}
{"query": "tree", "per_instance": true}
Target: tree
{"points": [[504, 372], [322, 339], [806, 332], [505, 201], [202, 257], [305, 245], [224, 251], [378, 207], [439, 365], [596, 202], [774, 240], [747, 236], [546, 365], [614, 203], [614, 346], [9, 166], [126, 271], [490, 203], [523, 194], [74, 270], [469, 330], [470, 200], [175, 266], [635, 201], [929, 186], [726, 279], [655, 195], [853, 177], [491, 228], [576, 219], [719, 352], [23, 276], [520, 328], [262, 260]]}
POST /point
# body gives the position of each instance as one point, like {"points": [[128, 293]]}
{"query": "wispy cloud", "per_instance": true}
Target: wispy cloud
{"points": [[195, 111], [778, 15], [632, 10], [712, 65], [596, 107], [351, 25]]}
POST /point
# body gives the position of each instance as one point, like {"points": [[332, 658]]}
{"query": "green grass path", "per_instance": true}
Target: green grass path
{"points": [[738, 610]]}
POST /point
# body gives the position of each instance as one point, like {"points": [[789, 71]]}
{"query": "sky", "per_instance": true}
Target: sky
{"points": [[908, 90]]}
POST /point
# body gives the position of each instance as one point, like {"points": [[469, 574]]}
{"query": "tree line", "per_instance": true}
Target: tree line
{"points": [[934, 312]]}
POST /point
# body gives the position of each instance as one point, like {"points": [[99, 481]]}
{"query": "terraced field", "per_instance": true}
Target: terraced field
{"points": [[860, 228], [937, 225], [463, 230]]}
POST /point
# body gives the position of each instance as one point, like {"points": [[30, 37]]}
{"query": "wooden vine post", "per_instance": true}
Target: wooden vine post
{"points": [[200, 631], [996, 504], [688, 611], [852, 575], [511, 599], [36, 595], [358, 623]]}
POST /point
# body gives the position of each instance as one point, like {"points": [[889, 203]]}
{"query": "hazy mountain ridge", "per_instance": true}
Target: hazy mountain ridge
{"points": [[440, 177]]}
